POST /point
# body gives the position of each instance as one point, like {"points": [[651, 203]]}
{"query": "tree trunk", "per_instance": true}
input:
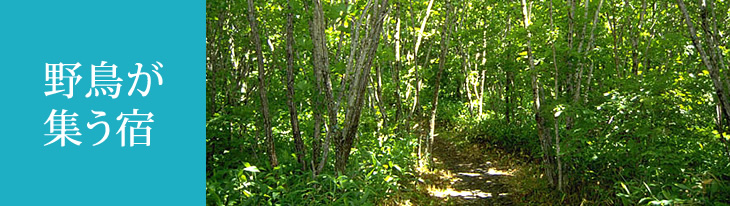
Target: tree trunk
{"points": [[379, 96], [509, 83], [720, 128], [423, 26], [556, 123], [320, 61], [467, 72], [569, 60], [445, 32], [481, 91], [589, 47], [299, 144], [395, 74], [262, 86], [415, 57], [711, 63], [537, 98], [612, 27], [507, 95], [368, 47], [316, 137]]}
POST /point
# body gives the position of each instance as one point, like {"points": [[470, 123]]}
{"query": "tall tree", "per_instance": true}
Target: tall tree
{"points": [[262, 85], [556, 123], [445, 32], [542, 131], [368, 46], [415, 57], [395, 74], [320, 60], [298, 142], [711, 55]]}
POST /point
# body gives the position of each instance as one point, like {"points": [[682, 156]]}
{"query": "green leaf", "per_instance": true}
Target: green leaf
{"points": [[251, 169], [625, 188], [682, 186]]}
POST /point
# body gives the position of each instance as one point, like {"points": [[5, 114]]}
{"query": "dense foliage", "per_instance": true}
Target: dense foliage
{"points": [[616, 101]]}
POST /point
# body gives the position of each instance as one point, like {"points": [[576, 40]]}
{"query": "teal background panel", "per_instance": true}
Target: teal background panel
{"points": [[171, 171]]}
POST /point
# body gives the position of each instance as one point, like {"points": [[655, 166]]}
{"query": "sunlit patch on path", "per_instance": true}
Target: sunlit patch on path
{"points": [[466, 194], [467, 176]]}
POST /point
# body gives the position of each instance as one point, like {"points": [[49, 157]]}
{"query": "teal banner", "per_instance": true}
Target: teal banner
{"points": [[102, 103]]}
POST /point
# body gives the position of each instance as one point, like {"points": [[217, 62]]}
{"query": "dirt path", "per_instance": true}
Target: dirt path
{"points": [[467, 175]]}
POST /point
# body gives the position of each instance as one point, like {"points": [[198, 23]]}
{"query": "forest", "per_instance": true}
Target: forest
{"points": [[467, 102]]}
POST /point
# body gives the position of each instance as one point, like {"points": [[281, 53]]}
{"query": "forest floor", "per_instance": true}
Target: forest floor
{"points": [[470, 174]]}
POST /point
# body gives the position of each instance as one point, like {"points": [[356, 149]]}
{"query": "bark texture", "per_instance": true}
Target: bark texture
{"points": [[262, 86]]}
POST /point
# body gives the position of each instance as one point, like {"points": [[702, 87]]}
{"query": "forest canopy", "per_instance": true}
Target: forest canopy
{"points": [[423, 102]]}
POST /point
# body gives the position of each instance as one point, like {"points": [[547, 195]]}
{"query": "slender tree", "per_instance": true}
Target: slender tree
{"points": [[710, 54], [262, 85], [320, 60], [298, 142], [445, 31], [368, 46], [542, 130]]}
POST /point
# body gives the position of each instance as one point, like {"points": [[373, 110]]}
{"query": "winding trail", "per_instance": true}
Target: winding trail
{"points": [[467, 174]]}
